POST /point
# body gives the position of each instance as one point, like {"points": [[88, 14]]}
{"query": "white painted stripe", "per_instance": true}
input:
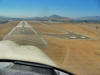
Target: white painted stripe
{"points": [[7, 35], [26, 25], [33, 29]]}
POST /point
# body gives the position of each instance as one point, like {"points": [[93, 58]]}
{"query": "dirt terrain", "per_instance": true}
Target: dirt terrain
{"points": [[80, 28], [80, 56], [6, 27], [45, 29], [73, 47]]}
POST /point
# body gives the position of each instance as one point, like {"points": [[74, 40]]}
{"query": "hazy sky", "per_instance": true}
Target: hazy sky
{"points": [[33, 8]]}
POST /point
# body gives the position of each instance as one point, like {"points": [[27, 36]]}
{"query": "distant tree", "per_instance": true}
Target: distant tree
{"points": [[3, 21], [97, 27]]}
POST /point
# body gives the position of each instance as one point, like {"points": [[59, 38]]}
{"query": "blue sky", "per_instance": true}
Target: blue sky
{"points": [[33, 8]]}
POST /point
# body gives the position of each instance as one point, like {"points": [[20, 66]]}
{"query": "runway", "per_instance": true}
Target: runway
{"points": [[25, 34]]}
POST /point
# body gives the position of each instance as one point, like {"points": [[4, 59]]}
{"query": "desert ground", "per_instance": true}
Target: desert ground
{"points": [[6, 27], [74, 47], [80, 56]]}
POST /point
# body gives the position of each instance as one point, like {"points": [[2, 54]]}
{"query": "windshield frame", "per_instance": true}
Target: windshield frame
{"points": [[35, 64]]}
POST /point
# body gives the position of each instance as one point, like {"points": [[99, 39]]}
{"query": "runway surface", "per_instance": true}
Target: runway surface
{"points": [[25, 34]]}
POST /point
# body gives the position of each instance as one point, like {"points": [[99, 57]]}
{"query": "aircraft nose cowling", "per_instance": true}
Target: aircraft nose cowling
{"points": [[13, 51]]}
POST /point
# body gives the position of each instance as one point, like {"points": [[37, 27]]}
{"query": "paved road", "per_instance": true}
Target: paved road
{"points": [[25, 34], [69, 34]]}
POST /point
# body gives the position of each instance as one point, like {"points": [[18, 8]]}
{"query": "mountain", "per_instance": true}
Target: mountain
{"points": [[96, 18], [45, 18], [58, 18], [52, 18], [4, 18], [55, 16]]}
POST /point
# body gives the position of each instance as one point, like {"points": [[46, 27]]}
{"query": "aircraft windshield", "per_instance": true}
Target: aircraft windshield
{"points": [[60, 33]]}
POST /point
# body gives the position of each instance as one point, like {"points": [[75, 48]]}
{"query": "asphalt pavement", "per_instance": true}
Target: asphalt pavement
{"points": [[25, 34]]}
